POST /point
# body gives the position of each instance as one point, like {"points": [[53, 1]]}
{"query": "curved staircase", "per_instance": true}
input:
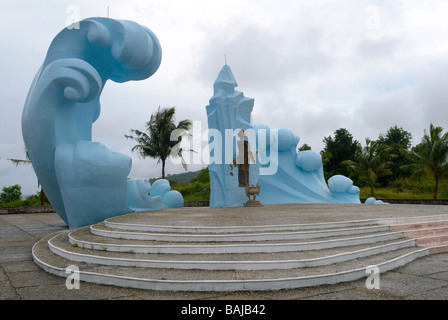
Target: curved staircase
{"points": [[200, 253]]}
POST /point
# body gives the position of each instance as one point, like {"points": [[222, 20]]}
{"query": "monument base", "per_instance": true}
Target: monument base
{"points": [[253, 203], [245, 236]]}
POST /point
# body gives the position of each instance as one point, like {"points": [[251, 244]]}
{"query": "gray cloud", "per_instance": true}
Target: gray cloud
{"points": [[262, 60], [382, 48], [431, 94]]}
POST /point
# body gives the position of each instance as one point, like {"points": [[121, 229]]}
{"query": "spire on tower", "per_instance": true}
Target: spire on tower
{"points": [[226, 77]]}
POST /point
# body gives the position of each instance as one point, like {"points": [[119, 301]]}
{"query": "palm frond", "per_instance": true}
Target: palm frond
{"points": [[18, 162]]}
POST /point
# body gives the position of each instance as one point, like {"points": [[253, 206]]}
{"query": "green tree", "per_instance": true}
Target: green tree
{"points": [[304, 147], [157, 143], [11, 193], [326, 156], [398, 142], [35, 200], [197, 189], [203, 176], [370, 163], [340, 148], [431, 156], [17, 162]]}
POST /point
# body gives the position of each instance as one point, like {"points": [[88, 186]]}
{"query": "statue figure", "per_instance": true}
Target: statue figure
{"points": [[244, 156], [242, 160]]}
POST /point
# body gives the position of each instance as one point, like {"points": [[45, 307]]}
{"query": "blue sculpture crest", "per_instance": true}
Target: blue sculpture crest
{"points": [[85, 181]]}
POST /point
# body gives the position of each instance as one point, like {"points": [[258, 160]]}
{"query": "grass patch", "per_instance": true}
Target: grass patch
{"points": [[408, 189], [388, 193]]}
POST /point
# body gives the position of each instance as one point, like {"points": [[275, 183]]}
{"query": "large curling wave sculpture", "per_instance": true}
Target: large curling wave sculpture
{"points": [[283, 174], [85, 181]]}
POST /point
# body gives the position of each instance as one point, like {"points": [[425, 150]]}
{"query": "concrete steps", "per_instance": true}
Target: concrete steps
{"points": [[235, 261], [83, 238], [233, 257], [433, 235]]}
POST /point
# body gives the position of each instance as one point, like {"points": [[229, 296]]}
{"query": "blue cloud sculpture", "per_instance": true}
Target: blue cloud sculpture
{"points": [[85, 181], [283, 174]]}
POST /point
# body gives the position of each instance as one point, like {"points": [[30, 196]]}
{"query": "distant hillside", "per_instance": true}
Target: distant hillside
{"points": [[180, 177]]}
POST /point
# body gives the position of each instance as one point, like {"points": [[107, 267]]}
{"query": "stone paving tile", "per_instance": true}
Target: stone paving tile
{"points": [[33, 278], [425, 266], [435, 294], [16, 256], [86, 291], [14, 249], [130, 298], [39, 234], [403, 285], [3, 275], [355, 294], [17, 220], [18, 234], [171, 295], [236, 296], [7, 229], [4, 224], [7, 291], [304, 293], [16, 242], [20, 266], [439, 275]]}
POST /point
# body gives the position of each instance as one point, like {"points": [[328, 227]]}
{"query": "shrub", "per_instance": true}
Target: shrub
{"points": [[11, 193], [34, 200], [198, 189], [12, 197]]}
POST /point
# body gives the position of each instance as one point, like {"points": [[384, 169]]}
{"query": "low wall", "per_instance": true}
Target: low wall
{"points": [[196, 203], [27, 209], [48, 209], [413, 201], [391, 201]]}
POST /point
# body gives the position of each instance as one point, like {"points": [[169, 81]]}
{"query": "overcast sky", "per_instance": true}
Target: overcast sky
{"points": [[311, 66]]}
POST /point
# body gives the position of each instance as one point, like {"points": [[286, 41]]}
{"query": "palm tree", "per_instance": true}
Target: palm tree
{"points": [[371, 163], [431, 156], [17, 162], [156, 143]]}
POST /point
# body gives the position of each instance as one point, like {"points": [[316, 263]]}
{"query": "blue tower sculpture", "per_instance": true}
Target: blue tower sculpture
{"points": [[283, 174]]}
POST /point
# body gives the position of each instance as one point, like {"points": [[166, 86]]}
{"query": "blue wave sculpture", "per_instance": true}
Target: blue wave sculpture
{"points": [[283, 174], [85, 181]]}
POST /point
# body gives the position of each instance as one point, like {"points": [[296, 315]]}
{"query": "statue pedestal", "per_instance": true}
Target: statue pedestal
{"points": [[253, 203]]}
